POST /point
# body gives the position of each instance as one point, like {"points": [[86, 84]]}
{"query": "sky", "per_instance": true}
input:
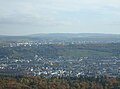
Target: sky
{"points": [[23, 17]]}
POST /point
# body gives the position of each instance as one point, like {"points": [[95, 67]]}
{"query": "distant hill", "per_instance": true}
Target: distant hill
{"points": [[65, 37], [74, 35], [78, 37]]}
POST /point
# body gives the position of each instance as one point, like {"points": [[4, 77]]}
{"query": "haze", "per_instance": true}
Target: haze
{"points": [[22, 17]]}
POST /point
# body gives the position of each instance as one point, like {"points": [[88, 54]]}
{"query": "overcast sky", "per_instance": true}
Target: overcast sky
{"points": [[21, 17]]}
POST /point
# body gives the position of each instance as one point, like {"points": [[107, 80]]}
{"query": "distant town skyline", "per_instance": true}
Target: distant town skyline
{"points": [[24, 17]]}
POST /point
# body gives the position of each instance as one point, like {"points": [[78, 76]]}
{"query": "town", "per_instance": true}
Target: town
{"points": [[51, 61]]}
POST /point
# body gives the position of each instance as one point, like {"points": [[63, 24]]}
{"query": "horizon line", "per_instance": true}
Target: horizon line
{"points": [[58, 33]]}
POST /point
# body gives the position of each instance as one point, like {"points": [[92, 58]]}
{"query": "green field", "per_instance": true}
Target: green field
{"points": [[83, 53]]}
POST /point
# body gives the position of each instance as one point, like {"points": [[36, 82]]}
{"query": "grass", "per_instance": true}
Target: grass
{"points": [[83, 53]]}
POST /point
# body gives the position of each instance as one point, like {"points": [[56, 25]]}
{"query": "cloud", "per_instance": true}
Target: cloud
{"points": [[60, 13]]}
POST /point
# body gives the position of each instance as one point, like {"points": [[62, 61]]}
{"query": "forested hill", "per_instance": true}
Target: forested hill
{"points": [[56, 50]]}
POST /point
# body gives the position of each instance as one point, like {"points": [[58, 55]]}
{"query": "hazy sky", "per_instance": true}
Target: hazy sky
{"points": [[20, 17]]}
